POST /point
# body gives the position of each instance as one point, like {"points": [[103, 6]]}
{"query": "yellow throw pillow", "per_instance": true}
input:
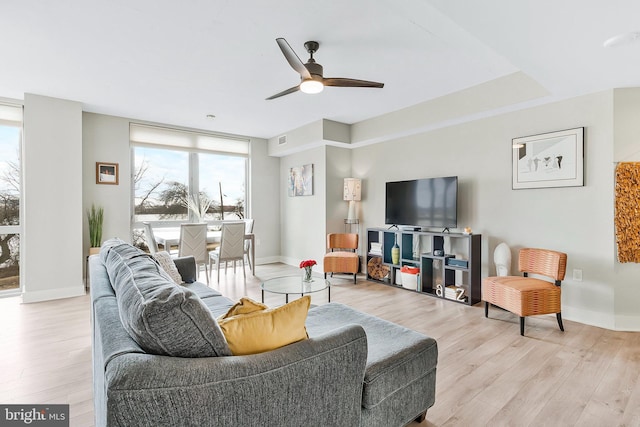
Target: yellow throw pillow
{"points": [[266, 330], [244, 306]]}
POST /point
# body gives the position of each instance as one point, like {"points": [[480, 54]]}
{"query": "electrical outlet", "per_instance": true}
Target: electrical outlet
{"points": [[577, 275]]}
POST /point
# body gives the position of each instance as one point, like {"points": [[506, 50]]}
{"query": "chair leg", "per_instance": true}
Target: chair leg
{"points": [[206, 272], [325, 276], [559, 317], [522, 325], [218, 264], [354, 278], [486, 309]]}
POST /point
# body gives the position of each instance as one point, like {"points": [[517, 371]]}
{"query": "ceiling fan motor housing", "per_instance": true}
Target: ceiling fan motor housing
{"points": [[314, 68]]}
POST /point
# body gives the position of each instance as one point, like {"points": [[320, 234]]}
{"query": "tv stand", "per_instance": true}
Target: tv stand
{"points": [[459, 266]]}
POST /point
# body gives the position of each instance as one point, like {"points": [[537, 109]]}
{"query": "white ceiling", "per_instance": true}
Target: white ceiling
{"points": [[175, 62]]}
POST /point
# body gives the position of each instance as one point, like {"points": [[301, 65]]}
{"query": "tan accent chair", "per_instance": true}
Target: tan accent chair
{"points": [[343, 256], [527, 296]]}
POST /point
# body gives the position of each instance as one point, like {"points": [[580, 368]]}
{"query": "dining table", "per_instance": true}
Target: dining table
{"points": [[169, 237]]}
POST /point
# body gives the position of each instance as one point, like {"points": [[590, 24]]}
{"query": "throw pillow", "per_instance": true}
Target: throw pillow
{"points": [[266, 330], [167, 264], [244, 306]]}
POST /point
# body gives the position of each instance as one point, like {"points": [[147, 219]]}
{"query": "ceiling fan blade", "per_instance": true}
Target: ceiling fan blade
{"points": [[292, 58], [284, 92], [340, 82]]}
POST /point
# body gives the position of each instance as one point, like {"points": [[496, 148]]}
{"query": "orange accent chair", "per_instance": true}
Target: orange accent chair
{"points": [[343, 256], [528, 296]]}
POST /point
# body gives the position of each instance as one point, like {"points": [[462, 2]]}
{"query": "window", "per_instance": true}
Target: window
{"points": [[10, 191], [184, 176]]}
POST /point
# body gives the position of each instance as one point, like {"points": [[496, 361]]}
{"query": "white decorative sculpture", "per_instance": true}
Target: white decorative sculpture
{"points": [[502, 259]]}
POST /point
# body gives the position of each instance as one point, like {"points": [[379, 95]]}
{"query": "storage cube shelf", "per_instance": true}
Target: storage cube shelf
{"points": [[417, 249]]}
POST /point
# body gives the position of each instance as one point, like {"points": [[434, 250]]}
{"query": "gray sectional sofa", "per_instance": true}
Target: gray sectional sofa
{"points": [[159, 358]]}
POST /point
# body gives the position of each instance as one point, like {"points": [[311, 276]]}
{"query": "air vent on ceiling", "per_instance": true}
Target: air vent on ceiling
{"points": [[282, 140]]}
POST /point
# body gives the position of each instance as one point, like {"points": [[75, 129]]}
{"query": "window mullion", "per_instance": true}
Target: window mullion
{"points": [[194, 183]]}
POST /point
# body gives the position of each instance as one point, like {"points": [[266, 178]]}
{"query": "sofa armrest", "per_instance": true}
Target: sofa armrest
{"points": [[312, 382], [187, 268]]}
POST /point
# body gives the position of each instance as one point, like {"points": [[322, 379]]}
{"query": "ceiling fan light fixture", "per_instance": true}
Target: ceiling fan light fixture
{"points": [[622, 39], [311, 86]]}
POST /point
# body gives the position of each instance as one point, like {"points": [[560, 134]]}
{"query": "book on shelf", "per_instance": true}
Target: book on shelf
{"points": [[376, 248]]}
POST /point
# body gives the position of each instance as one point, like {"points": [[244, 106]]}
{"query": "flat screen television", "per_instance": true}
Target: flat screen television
{"points": [[429, 202]]}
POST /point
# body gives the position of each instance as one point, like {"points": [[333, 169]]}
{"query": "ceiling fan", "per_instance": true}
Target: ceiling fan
{"points": [[311, 77]]}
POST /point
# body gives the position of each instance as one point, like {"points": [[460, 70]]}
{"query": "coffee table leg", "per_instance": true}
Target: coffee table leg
{"points": [[286, 298], [329, 291], [263, 296]]}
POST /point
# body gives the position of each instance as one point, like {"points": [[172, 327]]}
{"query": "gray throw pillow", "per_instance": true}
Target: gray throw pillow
{"points": [[161, 316]]}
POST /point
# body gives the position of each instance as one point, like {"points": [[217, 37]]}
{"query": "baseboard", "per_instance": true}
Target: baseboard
{"points": [[51, 294], [588, 317], [268, 260], [627, 323]]}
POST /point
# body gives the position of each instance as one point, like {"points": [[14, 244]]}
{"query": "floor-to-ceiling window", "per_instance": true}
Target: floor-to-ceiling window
{"points": [[10, 190], [181, 176]]}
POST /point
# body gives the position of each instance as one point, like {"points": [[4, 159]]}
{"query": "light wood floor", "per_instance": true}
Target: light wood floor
{"points": [[487, 373]]}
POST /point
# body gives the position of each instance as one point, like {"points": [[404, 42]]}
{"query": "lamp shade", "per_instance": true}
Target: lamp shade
{"points": [[352, 189]]}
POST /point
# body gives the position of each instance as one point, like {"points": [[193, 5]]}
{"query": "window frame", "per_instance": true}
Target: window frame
{"points": [[193, 180]]}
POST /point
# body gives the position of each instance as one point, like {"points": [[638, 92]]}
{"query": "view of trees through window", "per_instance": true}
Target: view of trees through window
{"points": [[10, 137], [181, 186]]}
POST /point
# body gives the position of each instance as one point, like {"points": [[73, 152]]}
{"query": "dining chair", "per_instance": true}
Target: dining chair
{"points": [[150, 238], [193, 242], [231, 247], [248, 229]]}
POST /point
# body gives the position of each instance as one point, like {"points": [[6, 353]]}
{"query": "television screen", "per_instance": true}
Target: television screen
{"points": [[429, 202]]}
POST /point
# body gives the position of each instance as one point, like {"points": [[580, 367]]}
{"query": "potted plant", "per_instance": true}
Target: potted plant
{"points": [[95, 217]]}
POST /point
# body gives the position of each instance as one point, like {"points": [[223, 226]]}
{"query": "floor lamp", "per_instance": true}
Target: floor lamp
{"points": [[352, 194]]}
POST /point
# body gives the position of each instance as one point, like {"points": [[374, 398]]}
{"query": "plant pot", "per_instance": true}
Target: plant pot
{"points": [[94, 250]]}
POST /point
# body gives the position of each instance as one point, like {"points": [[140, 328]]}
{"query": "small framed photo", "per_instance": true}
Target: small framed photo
{"points": [[554, 159], [106, 173]]}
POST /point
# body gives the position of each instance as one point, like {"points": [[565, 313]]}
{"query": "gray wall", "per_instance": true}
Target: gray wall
{"points": [[576, 220]]}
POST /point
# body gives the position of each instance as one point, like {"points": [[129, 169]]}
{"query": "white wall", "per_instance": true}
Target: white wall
{"points": [[626, 276], [51, 243], [302, 218], [106, 139], [338, 161], [264, 196], [575, 220]]}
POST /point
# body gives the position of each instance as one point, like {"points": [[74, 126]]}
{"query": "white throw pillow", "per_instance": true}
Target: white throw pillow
{"points": [[167, 264]]}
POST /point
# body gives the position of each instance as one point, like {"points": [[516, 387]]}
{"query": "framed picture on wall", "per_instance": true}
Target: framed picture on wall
{"points": [[300, 181], [553, 159], [106, 173]]}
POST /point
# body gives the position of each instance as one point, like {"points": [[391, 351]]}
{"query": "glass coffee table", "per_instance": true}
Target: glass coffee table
{"points": [[294, 285]]}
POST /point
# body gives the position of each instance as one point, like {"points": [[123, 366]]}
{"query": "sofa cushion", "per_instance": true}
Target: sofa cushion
{"points": [[161, 316], [264, 330], [396, 356]]}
